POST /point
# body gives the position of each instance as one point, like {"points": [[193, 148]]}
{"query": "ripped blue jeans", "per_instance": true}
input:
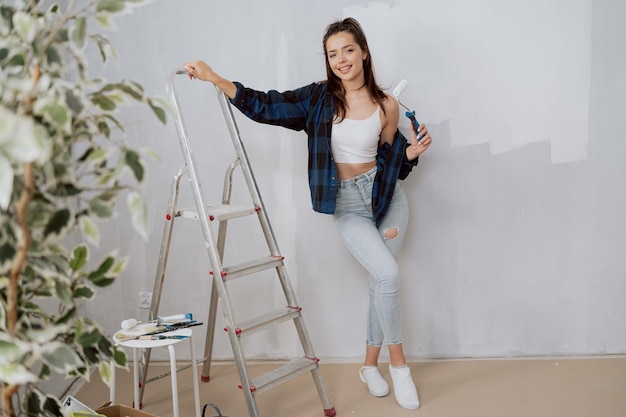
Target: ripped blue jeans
{"points": [[376, 250]]}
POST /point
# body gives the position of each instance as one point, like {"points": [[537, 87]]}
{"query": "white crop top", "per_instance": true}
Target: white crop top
{"points": [[356, 141]]}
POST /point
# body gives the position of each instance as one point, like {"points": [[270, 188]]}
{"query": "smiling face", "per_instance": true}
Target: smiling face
{"points": [[344, 57]]}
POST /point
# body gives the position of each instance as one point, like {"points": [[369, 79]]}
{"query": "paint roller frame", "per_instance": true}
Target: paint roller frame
{"points": [[410, 114]]}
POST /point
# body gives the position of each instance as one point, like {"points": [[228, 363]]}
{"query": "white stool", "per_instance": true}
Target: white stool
{"points": [[145, 344]]}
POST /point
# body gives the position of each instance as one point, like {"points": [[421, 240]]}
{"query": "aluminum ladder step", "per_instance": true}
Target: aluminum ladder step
{"points": [[218, 212], [267, 320], [290, 370], [251, 267]]}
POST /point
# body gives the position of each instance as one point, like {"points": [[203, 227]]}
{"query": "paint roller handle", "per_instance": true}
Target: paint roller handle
{"points": [[414, 122]]}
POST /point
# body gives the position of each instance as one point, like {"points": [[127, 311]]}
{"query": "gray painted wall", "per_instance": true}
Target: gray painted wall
{"points": [[516, 245]]}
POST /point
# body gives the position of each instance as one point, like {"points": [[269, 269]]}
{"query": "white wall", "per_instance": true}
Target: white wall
{"points": [[517, 236]]}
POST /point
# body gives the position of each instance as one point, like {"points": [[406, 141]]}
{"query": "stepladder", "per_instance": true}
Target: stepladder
{"points": [[212, 216]]}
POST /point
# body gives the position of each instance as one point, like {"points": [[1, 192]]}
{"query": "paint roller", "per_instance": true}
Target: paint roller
{"points": [[409, 113], [176, 318]]}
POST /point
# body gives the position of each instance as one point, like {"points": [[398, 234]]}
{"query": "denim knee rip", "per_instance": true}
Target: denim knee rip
{"points": [[392, 233]]}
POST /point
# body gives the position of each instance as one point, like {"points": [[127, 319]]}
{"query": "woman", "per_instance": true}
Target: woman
{"points": [[356, 156]]}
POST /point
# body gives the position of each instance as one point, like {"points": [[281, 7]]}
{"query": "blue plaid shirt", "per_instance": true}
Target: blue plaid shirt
{"points": [[311, 108]]}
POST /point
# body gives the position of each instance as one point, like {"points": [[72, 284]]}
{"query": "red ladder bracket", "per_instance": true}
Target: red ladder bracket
{"points": [[237, 330]]}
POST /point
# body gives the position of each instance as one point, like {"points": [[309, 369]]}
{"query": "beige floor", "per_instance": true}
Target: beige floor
{"points": [[556, 387]]}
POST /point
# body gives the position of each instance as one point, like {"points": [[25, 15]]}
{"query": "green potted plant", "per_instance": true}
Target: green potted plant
{"points": [[63, 166]]}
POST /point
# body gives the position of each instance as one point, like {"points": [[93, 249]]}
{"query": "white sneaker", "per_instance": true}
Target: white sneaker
{"points": [[404, 388], [376, 385]]}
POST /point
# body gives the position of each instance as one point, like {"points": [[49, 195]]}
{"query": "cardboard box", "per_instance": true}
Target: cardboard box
{"points": [[118, 410]]}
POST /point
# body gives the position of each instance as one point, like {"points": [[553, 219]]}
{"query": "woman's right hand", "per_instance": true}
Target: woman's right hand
{"points": [[200, 70]]}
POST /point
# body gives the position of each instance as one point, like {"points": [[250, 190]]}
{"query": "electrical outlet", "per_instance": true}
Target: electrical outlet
{"points": [[145, 299]]}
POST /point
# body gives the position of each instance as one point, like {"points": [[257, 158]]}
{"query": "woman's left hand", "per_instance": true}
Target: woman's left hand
{"points": [[417, 147]]}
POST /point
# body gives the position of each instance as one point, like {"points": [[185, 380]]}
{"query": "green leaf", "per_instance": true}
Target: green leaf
{"points": [[44, 372], [99, 277], [115, 121], [34, 401], [158, 111], [68, 316], [61, 358], [105, 372], [92, 354], [74, 102], [79, 32], [17, 60], [7, 253], [104, 128], [100, 209], [97, 155], [102, 281], [105, 345], [53, 56], [25, 26], [52, 406], [6, 181], [84, 292], [15, 373], [104, 102], [9, 350], [105, 266], [119, 357], [59, 223], [111, 6], [132, 89], [46, 333], [89, 230], [139, 213], [90, 338], [133, 161], [19, 137], [63, 292], [79, 257], [58, 113], [109, 196], [104, 20], [7, 14], [65, 189], [120, 266], [62, 36], [152, 154]]}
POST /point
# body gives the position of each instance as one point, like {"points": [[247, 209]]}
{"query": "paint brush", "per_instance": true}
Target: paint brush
{"points": [[161, 337]]}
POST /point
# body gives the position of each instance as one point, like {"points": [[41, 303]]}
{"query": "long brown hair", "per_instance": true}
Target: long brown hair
{"points": [[335, 86]]}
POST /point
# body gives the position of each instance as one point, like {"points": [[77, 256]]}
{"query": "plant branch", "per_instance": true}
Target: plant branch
{"points": [[64, 18], [21, 212], [22, 252], [8, 391]]}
